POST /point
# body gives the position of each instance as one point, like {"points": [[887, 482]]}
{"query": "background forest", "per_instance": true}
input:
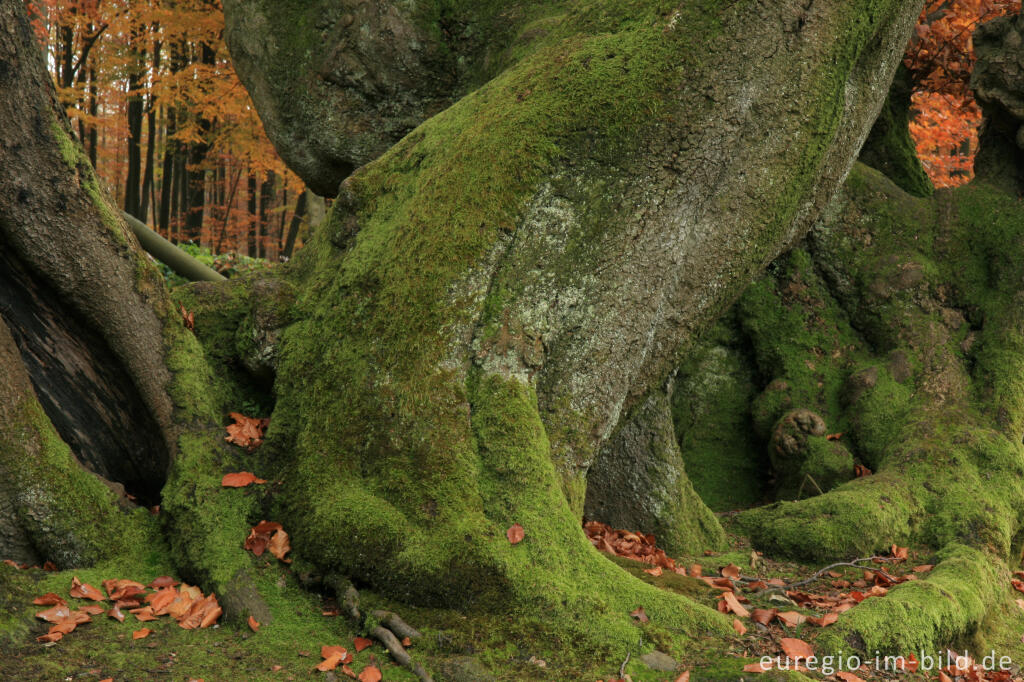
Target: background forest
{"points": [[152, 93]]}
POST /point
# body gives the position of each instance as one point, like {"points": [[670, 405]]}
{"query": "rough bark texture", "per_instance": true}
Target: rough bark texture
{"points": [[123, 382], [998, 82], [521, 269], [639, 481]]}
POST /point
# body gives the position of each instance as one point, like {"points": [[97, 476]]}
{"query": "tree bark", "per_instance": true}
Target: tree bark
{"points": [[495, 295]]}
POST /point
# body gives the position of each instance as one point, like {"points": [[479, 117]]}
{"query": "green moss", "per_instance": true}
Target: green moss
{"points": [[711, 411], [889, 147], [71, 517], [74, 156], [932, 613]]}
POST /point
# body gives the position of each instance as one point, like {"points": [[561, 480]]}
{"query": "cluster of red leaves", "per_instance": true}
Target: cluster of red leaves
{"points": [[941, 57], [185, 604], [624, 543], [338, 655], [246, 432], [48, 566], [269, 535]]}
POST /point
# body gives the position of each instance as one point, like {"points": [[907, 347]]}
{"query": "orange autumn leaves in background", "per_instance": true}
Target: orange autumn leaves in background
{"points": [[945, 119]]}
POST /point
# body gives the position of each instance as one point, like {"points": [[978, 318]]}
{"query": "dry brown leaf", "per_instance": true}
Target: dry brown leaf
{"points": [[141, 634], [738, 627], [254, 624], [56, 614], [685, 677], [640, 615], [791, 618], [329, 663], [734, 605], [796, 648], [361, 643], [143, 614], [349, 672], [900, 553], [240, 480], [159, 601], [755, 668], [93, 609], [116, 614], [81, 590], [48, 599], [279, 545], [923, 568], [370, 674], [50, 637], [850, 677], [731, 571], [656, 571], [763, 616], [407, 642], [246, 432], [163, 581], [515, 534]]}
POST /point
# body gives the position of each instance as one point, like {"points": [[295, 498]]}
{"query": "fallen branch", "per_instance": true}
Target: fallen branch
{"points": [[386, 635], [840, 564]]}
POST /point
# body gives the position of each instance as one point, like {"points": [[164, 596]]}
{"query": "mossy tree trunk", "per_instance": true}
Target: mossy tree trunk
{"points": [[899, 325], [490, 298]]}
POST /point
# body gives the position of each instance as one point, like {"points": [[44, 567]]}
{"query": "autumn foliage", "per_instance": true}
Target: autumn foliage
{"points": [[154, 100], [945, 118]]}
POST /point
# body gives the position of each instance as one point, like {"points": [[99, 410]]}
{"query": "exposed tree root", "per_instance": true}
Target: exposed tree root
{"points": [[389, 625]]}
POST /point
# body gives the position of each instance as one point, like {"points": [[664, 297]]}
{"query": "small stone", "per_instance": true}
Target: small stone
{"points": [[662, 662]]}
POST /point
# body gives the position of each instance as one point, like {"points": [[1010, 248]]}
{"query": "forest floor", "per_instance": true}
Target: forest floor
{"points": [[769, 619]]}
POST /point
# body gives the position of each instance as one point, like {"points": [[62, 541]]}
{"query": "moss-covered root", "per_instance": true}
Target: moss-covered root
{"points": [[51, 507], [456, 553], [924, 615], [209, 523], [639, 482]]}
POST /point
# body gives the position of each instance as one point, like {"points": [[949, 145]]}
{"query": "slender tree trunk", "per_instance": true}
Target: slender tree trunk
{"points": [[151, 135], [288, 247], [133, 177]]}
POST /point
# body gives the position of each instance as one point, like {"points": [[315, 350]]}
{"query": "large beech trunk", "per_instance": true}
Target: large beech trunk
{"points": [[490, 299]]}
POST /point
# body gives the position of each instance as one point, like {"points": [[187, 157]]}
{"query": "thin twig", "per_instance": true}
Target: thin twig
{"points": [[622, 668], [850, 564]]}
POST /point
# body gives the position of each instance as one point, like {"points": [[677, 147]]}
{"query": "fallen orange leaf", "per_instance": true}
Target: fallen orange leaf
{"points": [[254, 624], [348, 672], [685, 677], [361, 643], [731, 571], [640, 615], [55, 614], [240, 480], [370, 674], [407, 642], [93, 609], [755, 668], [143, 614], [738, 627], [48, 599], [279, 545], [763, 616], [163, 581], [850, 677], [140, 634], [796, 648], [81, 590], [515, 534], [246, 431], [329, 663], [791, 618], [734, 605], [656, 571], [50, 637], [116, 614], [825, 620], [924, 568], [328, 651]]}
